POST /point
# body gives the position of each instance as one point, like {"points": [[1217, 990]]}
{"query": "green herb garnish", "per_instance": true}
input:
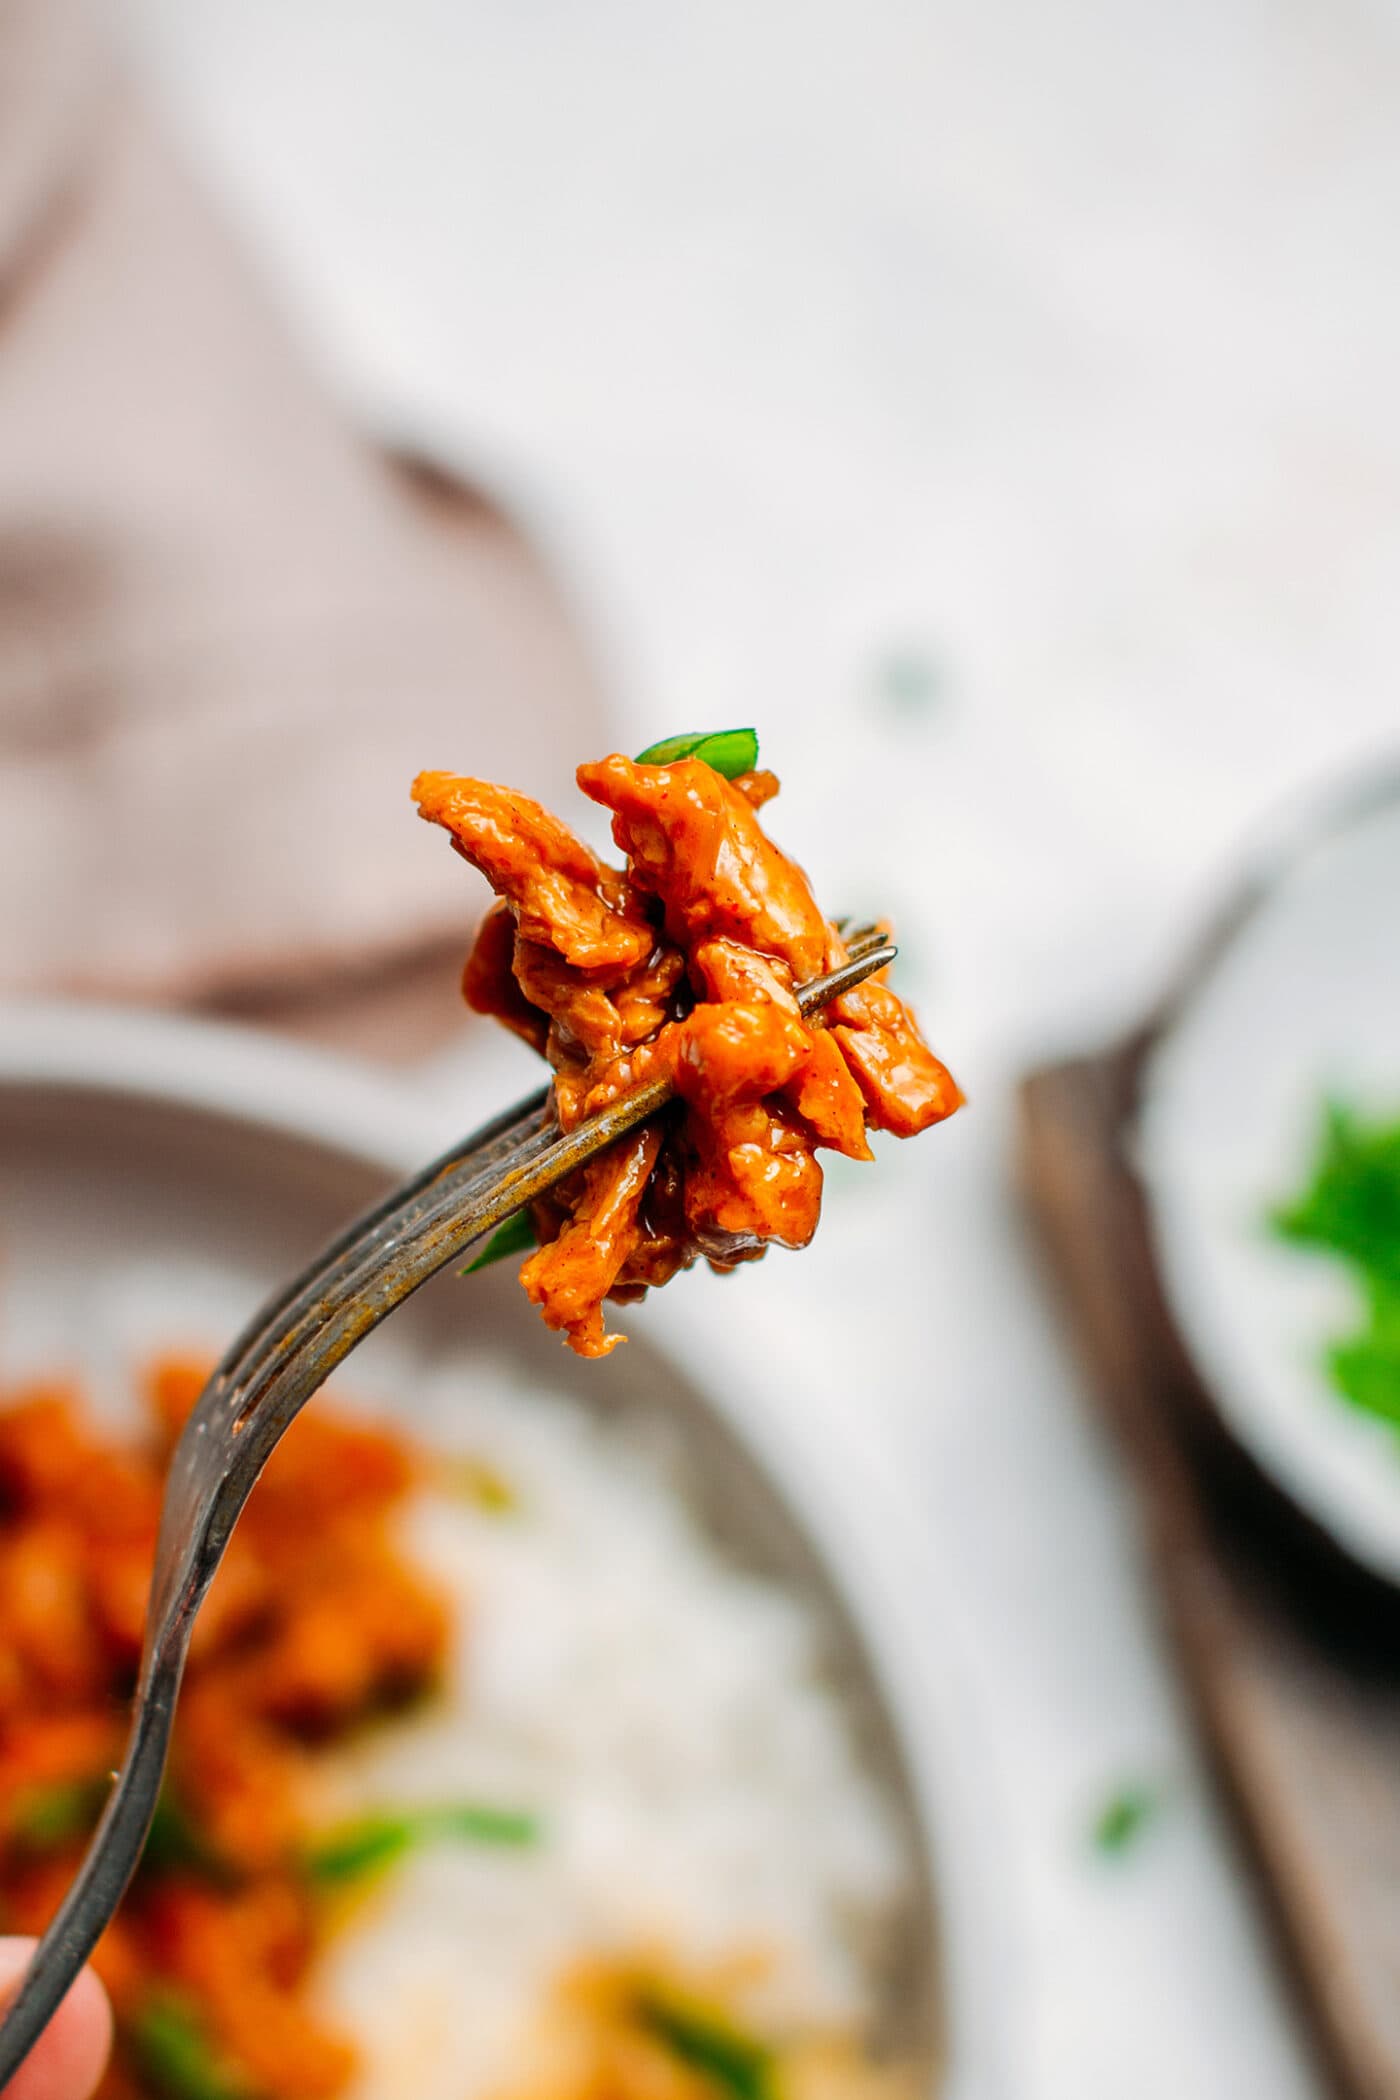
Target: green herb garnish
{"points": [[1351, 1207], [516, 1236], [728, 751], [736, 2064], [1351, 1210], [1366, 1368], [1124, 1817], [175, 2055], [46, 1817], [374, 1842], [174, 1842]]}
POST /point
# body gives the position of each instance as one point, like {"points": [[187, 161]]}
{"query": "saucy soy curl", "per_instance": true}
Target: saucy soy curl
{"points": [[684, 965]]}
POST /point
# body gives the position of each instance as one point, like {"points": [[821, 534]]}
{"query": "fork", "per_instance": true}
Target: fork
{"points": [[264, 1380]]}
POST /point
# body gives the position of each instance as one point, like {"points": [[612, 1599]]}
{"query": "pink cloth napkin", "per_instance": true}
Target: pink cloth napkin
{"points": [[230, 630]]}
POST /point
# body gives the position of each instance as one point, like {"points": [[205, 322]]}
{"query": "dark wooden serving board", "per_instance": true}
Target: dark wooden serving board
{"points": [[1292, 1654]]}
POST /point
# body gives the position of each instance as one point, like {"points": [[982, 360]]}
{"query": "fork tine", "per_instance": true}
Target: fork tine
{"points": [[523, 1158], [509, 1163], [533, 1177], [863, 938], [451, 1210], [878, 951]]}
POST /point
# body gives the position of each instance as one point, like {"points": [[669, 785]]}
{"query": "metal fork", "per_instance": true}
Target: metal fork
{"points": [[285, 1354]]}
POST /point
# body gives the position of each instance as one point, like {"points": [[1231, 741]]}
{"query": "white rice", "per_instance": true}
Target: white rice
{"points": [[662, 1714]]}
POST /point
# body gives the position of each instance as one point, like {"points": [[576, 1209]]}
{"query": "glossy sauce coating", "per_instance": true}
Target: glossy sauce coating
{"points": [[561, 893], [685, 963]]}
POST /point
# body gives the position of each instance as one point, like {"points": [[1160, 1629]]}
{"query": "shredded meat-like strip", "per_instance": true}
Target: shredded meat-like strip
{"points": [[685, 963], [694, 840], [563, 896]]}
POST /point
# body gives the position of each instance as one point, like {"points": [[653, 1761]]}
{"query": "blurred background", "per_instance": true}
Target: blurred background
{"points": [[993, 405]]}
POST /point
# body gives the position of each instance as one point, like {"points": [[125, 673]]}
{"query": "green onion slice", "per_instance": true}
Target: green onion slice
{"points": [[175, 2054], [736, 2064], [48, 1816], [1124, 1817], [728, 751], [374, 1842], [516, 1236]]}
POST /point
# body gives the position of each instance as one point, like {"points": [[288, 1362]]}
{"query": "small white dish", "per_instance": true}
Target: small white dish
{"points": [[1300, 1000], [209, 1162]]}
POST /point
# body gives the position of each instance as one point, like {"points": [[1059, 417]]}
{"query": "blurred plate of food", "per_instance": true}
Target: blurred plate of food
{"points": [[1268, 1142], [555, 1729]]}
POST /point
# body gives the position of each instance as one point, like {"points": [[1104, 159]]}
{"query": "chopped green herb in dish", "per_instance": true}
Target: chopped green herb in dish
{"points": [[734, 2063], [1350, 1210], [176, 1844], [1351, 1206], [377, 1841], [46, 1818], [176, 2056], [1366, 1368], [53, 1817], [1125, 1817]]}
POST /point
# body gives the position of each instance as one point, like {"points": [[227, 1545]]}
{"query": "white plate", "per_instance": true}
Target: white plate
{"points": [[212, 1162], [1303, 1000]]}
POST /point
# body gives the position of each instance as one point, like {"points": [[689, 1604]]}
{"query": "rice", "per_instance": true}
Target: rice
{"points": [[663, 1715]]}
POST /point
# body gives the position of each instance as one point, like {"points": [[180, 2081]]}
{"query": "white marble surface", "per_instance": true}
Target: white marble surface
{"points": [[1053, 346]]}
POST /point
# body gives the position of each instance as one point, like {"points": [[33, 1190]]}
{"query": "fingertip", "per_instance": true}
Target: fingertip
{"points": [[69, 2058]]}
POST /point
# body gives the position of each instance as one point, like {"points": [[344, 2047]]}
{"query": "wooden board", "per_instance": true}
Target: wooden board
{"points": [[1292, 1654]]}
